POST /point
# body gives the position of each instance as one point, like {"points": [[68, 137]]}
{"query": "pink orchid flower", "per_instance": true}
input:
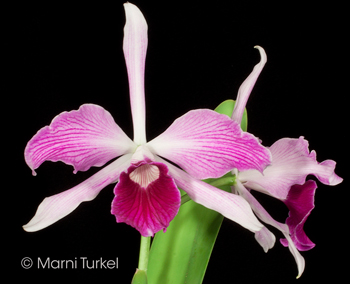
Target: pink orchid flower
{"points": [[284, 179], [203, 143]]}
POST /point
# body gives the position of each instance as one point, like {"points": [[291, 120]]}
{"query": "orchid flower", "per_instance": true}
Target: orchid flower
{"points": [[284, 179], [203, 143]]}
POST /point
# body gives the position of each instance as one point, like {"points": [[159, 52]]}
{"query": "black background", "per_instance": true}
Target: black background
{"points": [[59, 56]]}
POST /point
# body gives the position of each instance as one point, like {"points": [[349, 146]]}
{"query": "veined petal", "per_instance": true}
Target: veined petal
{"points": [[83, 138], [266, 217], [146, 198], [300, 202], [291, 163], [135, 47], [207, 144], [247, 86], [231, 206], [56, 207]]}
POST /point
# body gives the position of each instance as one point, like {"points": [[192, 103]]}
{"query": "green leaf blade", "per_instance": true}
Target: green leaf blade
{"points": [[140, 277], [181, 254]]}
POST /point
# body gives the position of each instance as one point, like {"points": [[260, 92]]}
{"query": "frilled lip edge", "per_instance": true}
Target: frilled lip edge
{"points": [[146, 198], [300, 202]]}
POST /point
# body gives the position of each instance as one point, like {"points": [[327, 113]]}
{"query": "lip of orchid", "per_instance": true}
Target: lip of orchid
{"points": [[146, 197], [145, 174]]}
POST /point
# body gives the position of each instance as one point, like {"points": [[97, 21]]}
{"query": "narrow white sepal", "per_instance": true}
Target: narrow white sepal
{"points": [[247, 86], [232, 206], [135, 48], [56, 207]]}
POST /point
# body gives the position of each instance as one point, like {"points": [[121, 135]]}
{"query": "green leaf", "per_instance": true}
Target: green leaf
{"points": [[140, 277], [227, 106], [181, 254]]}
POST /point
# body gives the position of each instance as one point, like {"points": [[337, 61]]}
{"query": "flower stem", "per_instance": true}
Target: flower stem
{"points": [[224, 181], [144, 252], [185, 198]]}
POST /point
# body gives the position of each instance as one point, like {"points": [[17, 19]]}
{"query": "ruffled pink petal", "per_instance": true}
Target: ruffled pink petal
{"points": [[266, 217], [291, 163], [146, 198], [83, 138], [230, 205], [326, 173], [247, 86], [207, 144], [300, 202], [135, 47], [56, 207]]}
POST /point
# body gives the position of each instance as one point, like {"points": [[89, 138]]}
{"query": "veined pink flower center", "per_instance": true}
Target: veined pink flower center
{"points": [[144, 175], [146, 197]]}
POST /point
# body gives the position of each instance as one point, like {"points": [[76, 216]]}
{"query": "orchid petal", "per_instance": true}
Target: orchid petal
{"points": [[207, 144], [135, 47], [56, 207], [300, 202], [266, 217], [146, 198], [229, 205], [83, 138], [300, 261], [247, 86], [257, 208], [265, 238], [291, 163]]}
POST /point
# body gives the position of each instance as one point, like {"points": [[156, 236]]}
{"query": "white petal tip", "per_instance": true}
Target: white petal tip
{"points": [[262, 53], [33, 171], [33, 225], [335, 180], [28, 228], [133, 10]]}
